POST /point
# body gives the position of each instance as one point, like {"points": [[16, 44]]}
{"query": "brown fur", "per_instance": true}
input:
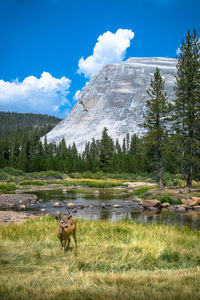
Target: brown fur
{"points": [[64, 233]]}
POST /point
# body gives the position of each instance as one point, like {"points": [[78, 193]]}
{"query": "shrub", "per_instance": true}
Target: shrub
{"points": [[13, 172], [171, 180]]}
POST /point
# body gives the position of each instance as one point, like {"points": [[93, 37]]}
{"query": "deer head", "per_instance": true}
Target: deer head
{"points": [[63, 222]]}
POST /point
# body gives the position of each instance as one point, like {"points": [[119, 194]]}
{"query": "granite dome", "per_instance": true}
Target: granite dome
{"points": [[114, 98]]}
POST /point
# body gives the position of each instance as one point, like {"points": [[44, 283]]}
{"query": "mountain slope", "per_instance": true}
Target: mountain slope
{"points": [[115, 98], [12, 123]]}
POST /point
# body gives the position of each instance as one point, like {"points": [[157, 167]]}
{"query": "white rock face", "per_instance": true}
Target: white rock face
{"points": [[115, 98]]}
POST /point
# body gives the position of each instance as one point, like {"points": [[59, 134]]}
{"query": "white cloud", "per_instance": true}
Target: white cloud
{"points": [[77, 95], [110, 48], [178, 51], [36, 95]]}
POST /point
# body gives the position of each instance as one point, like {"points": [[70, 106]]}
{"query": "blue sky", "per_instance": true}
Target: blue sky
{"points": [[42, 42]]}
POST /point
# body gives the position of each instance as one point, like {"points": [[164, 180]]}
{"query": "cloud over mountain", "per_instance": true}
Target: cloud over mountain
{"points": [[110, 48], [37, 95]]}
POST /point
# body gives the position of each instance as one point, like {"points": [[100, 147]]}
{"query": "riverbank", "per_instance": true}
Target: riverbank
{"points": [[122, 260]]}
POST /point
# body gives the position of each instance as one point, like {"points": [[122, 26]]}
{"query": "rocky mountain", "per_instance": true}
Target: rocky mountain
{"points": [[114, 98]]}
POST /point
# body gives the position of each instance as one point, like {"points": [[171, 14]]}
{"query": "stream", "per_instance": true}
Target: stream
{"points": [[100, 207]]}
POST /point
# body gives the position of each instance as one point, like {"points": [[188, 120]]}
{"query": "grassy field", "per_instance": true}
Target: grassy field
{"points": [[121, 260]]}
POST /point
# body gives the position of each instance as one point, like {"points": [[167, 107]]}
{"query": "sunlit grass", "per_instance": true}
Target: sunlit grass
{"points": [[121, 260]]}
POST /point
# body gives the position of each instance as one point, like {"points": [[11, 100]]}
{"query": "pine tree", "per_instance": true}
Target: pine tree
{"points": [[155, 119], [106, 151], [186, 110], [133, 144]]}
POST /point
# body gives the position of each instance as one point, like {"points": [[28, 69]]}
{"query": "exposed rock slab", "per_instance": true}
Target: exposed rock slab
{"points": [[114, 98]]}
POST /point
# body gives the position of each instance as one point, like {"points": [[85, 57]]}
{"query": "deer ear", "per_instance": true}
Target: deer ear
{"points": [[57, 218]]}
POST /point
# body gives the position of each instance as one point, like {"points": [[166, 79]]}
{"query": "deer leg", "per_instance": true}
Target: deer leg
{"points": [[61, 241], [64, 245], [68, 242], [74, 236]]}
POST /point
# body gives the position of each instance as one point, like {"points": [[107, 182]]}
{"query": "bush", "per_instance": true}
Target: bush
{"points": [[46, 174], [13, 172], [172, 180], [4, 176]]}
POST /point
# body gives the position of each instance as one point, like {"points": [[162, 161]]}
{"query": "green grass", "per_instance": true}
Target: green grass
{"points": [[7, 187], [165, 197], [32, 182], [121, 260], [94, 183], [121, 176], [140, 191]]}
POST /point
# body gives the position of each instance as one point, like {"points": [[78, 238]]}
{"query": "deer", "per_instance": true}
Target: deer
{"points": [[66, 228]]}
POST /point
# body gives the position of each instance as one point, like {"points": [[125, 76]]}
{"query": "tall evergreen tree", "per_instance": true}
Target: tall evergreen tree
{"points": [[155, 119], [106, 151], [186, 110]]}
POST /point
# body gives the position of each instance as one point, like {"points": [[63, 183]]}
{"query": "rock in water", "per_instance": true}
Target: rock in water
{"points": [[114, 98]]}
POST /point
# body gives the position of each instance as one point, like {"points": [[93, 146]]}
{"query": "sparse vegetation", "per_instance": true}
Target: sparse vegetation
{"points": [[120, 260], [140, 191]]}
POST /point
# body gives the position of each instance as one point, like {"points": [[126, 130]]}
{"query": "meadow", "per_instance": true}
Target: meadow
{"points": [[123, 260]]}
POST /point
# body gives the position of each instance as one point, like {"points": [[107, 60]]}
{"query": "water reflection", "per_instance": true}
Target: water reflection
{"points": [[94, 208]]}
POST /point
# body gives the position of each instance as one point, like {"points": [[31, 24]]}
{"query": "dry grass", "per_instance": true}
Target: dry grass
{"points": [[120, 260]]}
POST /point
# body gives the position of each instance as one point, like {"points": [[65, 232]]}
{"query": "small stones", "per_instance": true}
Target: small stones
{"points": [[43, 210]]}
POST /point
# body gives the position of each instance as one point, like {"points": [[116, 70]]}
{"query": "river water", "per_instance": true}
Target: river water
{"points": [[100, 207]]}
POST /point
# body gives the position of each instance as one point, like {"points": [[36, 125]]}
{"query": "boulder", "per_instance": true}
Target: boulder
{"points": [[196, 207], [151, 203], [57, 204], [22, 207], [197, 200], [165, 204], [188, 202], [43, 210], [70, 204], [116, 206], [154, 209], [180, 208]]}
